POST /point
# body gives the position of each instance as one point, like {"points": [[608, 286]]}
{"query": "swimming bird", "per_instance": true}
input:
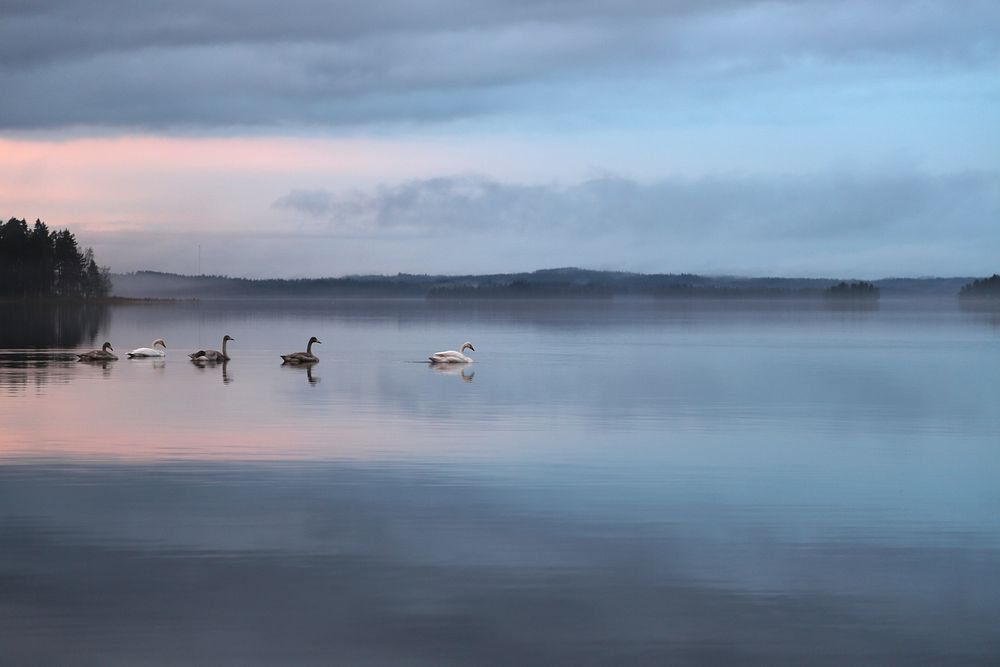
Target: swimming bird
{"points": [[213, 355], [150, 351], [306, 357], [452, 357], [98, 355]]}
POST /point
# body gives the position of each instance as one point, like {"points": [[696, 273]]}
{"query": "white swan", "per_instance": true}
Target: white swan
{"points": [[150, 351], [452, 357]]}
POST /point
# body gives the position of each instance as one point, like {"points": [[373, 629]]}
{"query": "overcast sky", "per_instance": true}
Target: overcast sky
{"points": [[804, 137]]}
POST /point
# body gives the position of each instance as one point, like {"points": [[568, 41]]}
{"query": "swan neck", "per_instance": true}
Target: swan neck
{"points": [[225, 341], [309, 347]]}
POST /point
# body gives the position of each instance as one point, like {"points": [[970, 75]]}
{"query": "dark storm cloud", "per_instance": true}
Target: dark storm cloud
{"points": [[165, 64]]}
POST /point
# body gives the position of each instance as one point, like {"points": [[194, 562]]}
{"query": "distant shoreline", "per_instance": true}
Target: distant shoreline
{"points": [[548, 284]]}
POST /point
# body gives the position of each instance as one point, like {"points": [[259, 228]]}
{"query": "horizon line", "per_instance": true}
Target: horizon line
{"points": [[550, 269]]}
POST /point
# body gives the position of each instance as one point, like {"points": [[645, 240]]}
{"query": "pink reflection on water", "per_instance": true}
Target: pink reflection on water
{"points": [[149, 410]]}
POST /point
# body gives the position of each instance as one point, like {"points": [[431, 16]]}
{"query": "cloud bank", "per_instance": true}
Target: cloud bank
{"points": [[818, 224], [811, 206], [221, 63]]}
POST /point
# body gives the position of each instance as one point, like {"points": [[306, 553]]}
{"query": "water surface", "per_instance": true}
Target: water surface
{"points": [[609, 483]]}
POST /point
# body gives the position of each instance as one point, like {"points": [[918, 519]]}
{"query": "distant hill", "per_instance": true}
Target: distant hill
{"points": [[547, 283]]}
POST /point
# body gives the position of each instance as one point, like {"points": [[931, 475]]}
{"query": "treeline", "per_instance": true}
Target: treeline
{"points": [[38, 262], [567, 283], [986, 287]]}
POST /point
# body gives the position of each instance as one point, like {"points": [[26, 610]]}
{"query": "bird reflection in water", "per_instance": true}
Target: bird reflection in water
{"points": [[158, 364], [307, 367], [204, 363], [105, 366], [458, 370]]}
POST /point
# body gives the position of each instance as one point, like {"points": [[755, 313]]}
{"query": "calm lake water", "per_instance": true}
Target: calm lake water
{"points": [[609, 484]]}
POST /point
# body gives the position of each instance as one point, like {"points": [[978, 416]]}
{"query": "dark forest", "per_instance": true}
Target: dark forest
{"points": [[38, 262]]}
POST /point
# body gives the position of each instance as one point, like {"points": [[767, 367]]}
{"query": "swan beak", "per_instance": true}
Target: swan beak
{"points": [[472, 348], [319, 342]]}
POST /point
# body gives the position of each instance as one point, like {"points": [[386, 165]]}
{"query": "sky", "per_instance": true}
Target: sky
{"points": [[317, 138]]}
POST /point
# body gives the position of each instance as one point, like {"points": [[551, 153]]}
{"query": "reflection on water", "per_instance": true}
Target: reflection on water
{"points": [[982, 311], [205, 364], [52, 325], [458, 370], [104, 364], [23, 369], [380, 565], [303, 369], [638, 483]]}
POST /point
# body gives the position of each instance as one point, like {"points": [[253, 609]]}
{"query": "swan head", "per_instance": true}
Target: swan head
{"points": [[315, 340], [107, 346], [159, 341], [227, 337], [466, 346]]}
